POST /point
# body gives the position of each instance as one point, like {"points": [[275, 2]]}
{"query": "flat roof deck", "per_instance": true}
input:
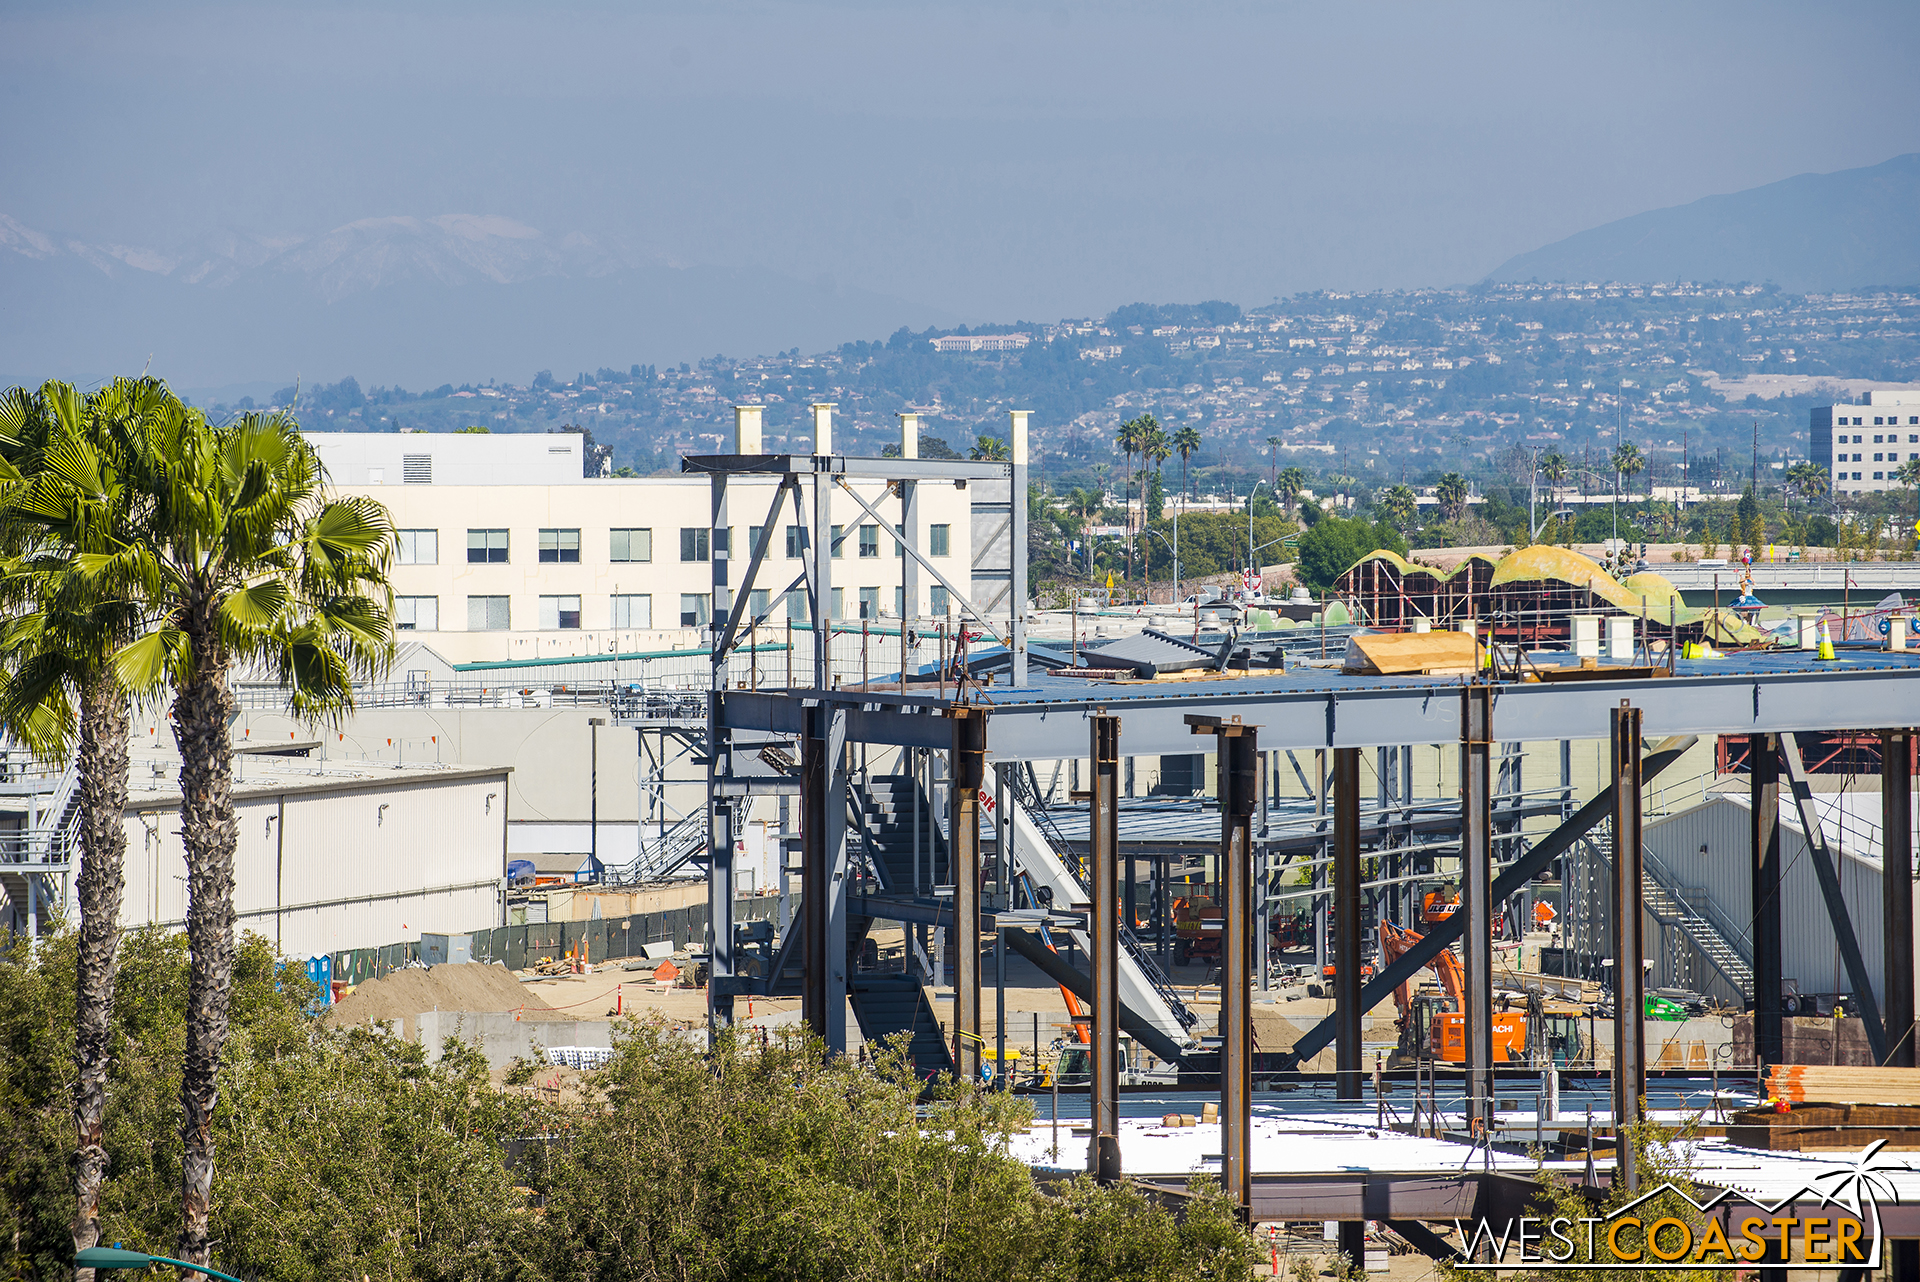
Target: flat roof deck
{"points": [[1321, 707]]}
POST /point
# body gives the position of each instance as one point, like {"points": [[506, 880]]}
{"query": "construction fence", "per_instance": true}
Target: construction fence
{"points": [[518, 947]]}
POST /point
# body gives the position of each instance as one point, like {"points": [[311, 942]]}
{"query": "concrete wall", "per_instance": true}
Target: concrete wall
{"points": [[503, 1038]]}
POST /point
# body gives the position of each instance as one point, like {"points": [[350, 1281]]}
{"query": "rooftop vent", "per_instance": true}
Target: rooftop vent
{"points": [[416, 469]]}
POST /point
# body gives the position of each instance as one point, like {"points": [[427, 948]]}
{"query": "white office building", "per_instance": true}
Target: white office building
{"points": [[508, 554], [1862, 445]]}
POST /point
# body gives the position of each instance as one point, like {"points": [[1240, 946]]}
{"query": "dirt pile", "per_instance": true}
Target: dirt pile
{"points": [[471, 986]]}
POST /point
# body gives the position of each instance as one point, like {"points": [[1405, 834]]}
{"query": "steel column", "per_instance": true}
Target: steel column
{"points": [[1476, 896], [1629, 1016], [1763, 782], [969, 774], [1896, 863], [823, 875], [1103, 935], [1347, 943]]}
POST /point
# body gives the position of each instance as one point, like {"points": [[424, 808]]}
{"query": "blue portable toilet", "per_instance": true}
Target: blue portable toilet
{"points": [[320, 971]]}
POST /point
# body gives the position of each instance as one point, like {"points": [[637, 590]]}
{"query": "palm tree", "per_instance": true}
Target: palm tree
{"points": [[1628, 462], [1554, 467], [1132, 439], [1289, 485], [990, 449], [1397, 503], [250, 563], [62, 497], [1157, 449], [1186, 442], [1452, 493], [1273, 459]]}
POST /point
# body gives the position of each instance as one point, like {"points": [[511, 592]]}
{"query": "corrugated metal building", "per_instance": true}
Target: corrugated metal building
{"points": [[1705, 856], [332, 855]]}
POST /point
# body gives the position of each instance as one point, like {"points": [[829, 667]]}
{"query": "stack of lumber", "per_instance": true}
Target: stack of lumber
{"points": [[1844, 1127], [1397, 653], [1805, 1083]]}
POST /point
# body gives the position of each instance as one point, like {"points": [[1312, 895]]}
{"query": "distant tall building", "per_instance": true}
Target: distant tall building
{"points": [[1858, 445]]}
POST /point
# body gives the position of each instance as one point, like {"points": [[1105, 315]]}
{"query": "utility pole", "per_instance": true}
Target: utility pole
{"points": [[1754, 480]]}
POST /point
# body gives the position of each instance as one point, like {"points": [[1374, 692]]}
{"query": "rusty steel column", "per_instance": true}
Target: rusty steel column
{"points": [[1629, 1014], [1103, 933], [1476, 897], [1763, 781], [969, 773], [1348, 944], [1896, 863]]}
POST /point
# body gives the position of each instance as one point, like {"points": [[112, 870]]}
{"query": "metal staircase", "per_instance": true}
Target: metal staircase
{"points": [[33, 859], [661, 858], [1660, 893]]}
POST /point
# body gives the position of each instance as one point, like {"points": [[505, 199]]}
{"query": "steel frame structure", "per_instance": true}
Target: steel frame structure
{"points": [[1039, 717]]}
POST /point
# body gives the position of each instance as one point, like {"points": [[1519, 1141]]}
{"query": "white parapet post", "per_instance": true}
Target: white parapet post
{"points": [[1620, 636], [747, 435], [823, 426], [909, 436], [1586, 636]]}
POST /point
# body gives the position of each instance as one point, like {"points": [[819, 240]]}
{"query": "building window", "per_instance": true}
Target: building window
{"points": [[696, 610], [559, 612], [416, 469], [899, 539], [1877, 422], [759, 603], [633, 610], [796, 542], [630, 545], [900, 603], [560, 545], [1878, 439], [797, 606], [419, 547], [939, 540], [1856, 476], [486, 546], [1879, 476], [869, 603], [416, 613], [939, 599], [869, 542], [694, 545], [487, 614], [835, 540], [1877, 457], [839, 610]]}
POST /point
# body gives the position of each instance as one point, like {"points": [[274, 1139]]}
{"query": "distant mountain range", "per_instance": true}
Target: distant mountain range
{"points": [[456, 297], [1814, 233]]}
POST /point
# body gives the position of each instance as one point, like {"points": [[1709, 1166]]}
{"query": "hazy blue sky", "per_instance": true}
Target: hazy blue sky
{"points": [[1002, 160]]}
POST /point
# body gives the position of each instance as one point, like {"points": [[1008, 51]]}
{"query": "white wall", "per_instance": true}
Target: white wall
{"points": [[339, 871]]}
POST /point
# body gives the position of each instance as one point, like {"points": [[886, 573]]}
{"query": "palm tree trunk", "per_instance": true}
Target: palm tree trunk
{"points": [[102, 765], [201, 712]]}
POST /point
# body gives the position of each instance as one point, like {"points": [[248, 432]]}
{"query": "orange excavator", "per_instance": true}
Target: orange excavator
{"points": [[1447, 1028]]}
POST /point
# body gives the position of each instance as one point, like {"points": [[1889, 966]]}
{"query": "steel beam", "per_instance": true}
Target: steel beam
{"points": [[1858, 980], [1896, 870], [1515, 877], [1371, 712], [1103, 934], [1347, 1010], [1763, 784], [1629, 1015], [969, 775], [864, 469], [1476, 897]]}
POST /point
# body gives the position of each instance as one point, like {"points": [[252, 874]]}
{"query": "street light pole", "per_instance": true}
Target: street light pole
{"points": [[1250, 494]]}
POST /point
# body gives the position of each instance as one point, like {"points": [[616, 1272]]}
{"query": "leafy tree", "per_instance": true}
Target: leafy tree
{"points": [[1334, 544], [248, 562], [474, 429]]}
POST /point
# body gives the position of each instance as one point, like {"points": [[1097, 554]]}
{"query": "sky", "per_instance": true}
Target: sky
{"points": [[988, 160]]}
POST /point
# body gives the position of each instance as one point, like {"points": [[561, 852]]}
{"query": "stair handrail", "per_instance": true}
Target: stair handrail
{"points": [[1730, 932], [679, 843], [1699, 928]]}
